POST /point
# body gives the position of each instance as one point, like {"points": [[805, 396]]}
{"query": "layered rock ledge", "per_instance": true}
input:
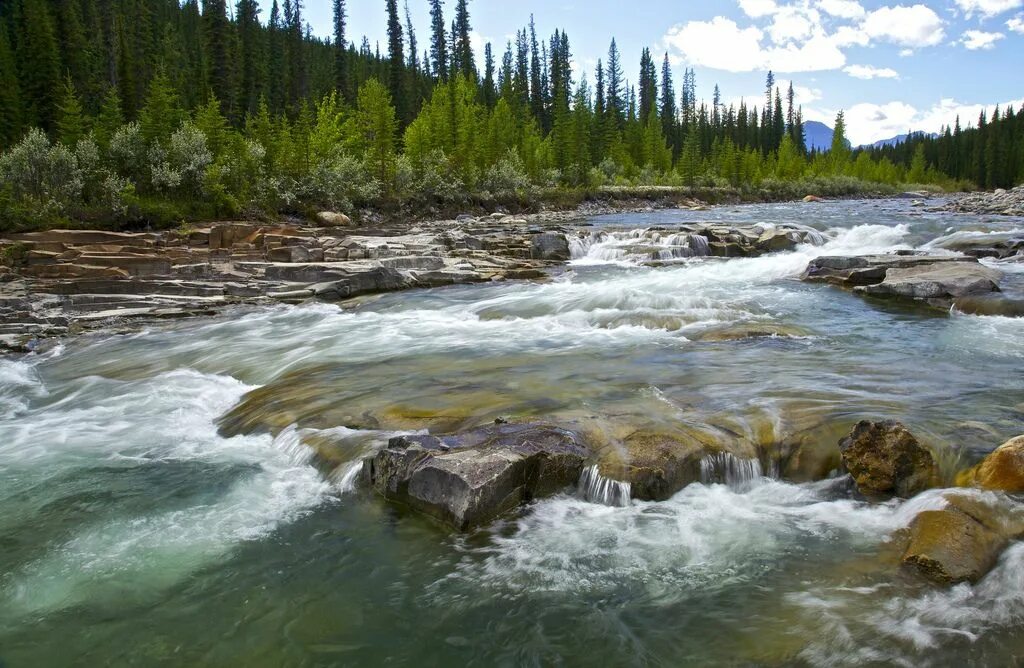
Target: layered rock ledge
{"points": [[936, 280], [64, 281]]}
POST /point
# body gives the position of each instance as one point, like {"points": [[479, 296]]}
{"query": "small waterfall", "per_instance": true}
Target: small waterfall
{"points": [[290, 442], [727, 468], [699, 244], [596, 488]]}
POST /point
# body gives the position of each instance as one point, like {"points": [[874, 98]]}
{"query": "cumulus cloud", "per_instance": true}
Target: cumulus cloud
{"points": [[871, 72], [988, 8], [757, 8], [867, 122], [915, 26], [844, 9], [974, 40], [1016, 24], [701, 43]]}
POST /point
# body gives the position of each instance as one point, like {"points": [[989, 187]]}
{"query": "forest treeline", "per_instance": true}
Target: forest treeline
{"points": [[121, 111]]}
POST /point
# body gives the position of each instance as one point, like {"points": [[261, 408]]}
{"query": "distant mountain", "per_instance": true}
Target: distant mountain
{"points": [[817, 136], [899, 139]]}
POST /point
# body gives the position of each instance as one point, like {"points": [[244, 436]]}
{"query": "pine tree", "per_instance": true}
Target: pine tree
{"points": [[462, 56], [668, 104], [38, 61], [438, 42], [410, 33], [10, 95], [161, 113], [219, 48], [489, 92], [536, 84], [341, 49], [396, 58], [372, 130], [277, 69], [614, 99], [839, 154], [109, 119], [251, 55], [71, 122]]}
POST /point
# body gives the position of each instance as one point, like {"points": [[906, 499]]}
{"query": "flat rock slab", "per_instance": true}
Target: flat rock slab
{"points": [[468, 479], [935, 280]]}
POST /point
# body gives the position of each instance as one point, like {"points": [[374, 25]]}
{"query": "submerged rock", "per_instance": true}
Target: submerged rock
{"points": [[1002, 470], [885, 459], [469, 479], [751, 330]]}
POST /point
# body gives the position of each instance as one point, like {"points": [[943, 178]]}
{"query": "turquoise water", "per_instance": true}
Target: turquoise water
{"points": [[132, 533]]}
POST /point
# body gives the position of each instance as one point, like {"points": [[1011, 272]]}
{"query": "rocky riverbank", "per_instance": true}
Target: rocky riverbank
{"points": [[999, 202]]}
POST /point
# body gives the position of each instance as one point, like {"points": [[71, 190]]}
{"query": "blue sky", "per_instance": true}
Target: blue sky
{"points": [[892, 67]]}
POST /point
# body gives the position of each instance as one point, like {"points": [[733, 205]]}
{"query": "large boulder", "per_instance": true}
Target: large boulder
{"points": [[950, 546], [885, 459], [550, 246], [1002, 470], [469, 479], [333, 219]]}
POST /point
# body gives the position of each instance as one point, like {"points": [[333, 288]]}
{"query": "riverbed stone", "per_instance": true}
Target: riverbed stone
{"points": [[467, 480], [946, 280], [885, 459], [949, 546], [1002, 470]]}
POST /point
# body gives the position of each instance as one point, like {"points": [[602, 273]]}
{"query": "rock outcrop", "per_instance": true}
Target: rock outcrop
{"points": [[1002, 470], [469, 479], [885, 460], [66, 280], [934, 280]]}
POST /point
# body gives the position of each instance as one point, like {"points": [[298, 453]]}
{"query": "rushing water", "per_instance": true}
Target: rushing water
{"points": [[132, 533]]}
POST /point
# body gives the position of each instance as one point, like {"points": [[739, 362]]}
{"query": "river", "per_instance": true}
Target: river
{"points": [[132, 533]]}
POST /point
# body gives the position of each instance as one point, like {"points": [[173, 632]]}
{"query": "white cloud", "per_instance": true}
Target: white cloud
{"points": [[701, 43], [914, 26], [974, 40], [792, 24], [906, 53], [1016, 24], [867, 123], [844, 9], [870, 72], [758, 8], [987, 8]]}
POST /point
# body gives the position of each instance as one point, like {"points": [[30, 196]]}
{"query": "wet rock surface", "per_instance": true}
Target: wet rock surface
{"points": [[885, 459], [468, 479], [1002, 470], [934, 280]]}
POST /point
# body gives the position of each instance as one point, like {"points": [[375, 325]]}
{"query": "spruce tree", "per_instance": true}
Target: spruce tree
{"points": [[277, 69], [340, 50], [438, 42], [71, 122], [38, 61], [410, 34], [489, 92], [161, 113], [219, 49], [536, 89], [10, 95], [614, 99], [251, 56], [668, 105], [396, 57], [109, 119], [463, 54]]}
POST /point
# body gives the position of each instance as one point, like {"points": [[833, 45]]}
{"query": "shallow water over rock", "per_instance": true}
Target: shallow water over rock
{"points": [[185, 495]]}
